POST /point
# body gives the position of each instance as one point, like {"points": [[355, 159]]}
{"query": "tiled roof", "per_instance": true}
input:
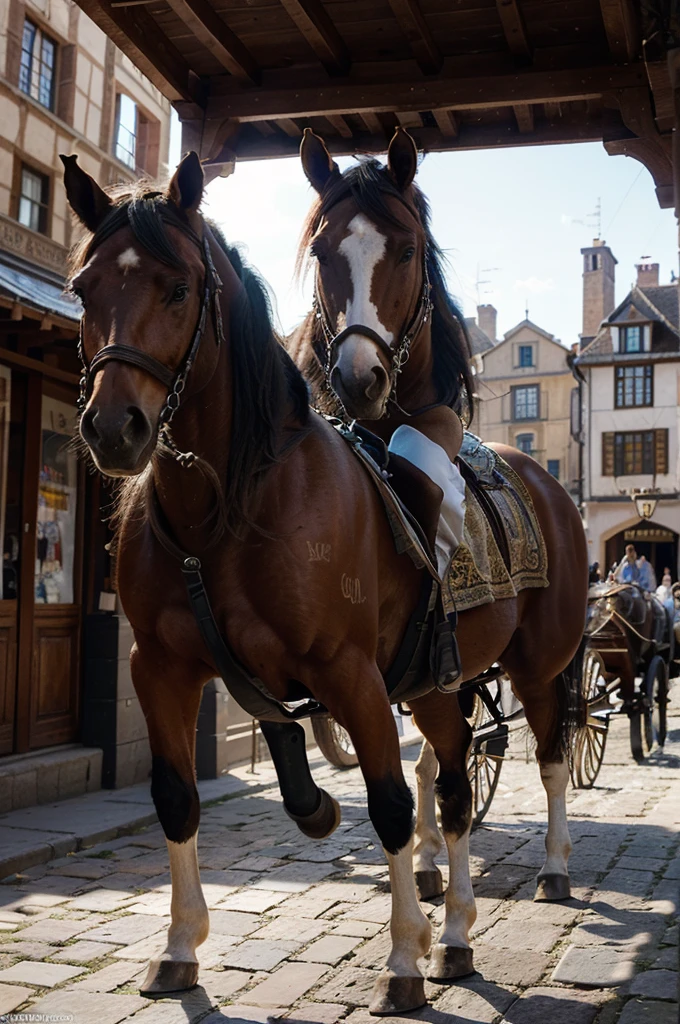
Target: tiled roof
{"points": [[664, 299], [479, 342]]}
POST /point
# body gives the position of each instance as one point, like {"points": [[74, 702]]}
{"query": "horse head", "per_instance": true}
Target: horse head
{"points": [[141, 276], [377, 279]]}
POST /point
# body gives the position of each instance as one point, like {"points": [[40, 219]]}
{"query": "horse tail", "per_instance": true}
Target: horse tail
{"points": [[571, 704]]}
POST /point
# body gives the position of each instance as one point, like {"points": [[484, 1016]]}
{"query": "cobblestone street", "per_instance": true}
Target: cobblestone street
{"points": [[300, 928]]}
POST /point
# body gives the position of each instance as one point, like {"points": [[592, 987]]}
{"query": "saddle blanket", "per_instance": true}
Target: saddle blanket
{"points": [[478, 574]]}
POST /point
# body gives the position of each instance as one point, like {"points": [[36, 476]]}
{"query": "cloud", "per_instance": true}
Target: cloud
{"points": [[535, 285]]}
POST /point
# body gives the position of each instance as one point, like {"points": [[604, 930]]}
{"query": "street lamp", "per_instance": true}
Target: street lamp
{"points": [[645, 500]]}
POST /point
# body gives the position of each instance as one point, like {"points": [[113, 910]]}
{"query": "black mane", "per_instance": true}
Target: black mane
{"points": [[267, 386], [370, 184]]}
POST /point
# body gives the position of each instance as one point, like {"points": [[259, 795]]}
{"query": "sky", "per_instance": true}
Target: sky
{"points": [[511, 222]]}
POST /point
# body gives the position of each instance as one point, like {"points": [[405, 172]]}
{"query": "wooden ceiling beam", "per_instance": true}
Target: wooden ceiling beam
{"points": [[410, 119], [288, 125], [415, 28], [315, 25], [134, 31], [340, 125], [514, 29], [284, 96], [447, 123], [622, 28], [372, 122], [524, 115], [207, 26]]}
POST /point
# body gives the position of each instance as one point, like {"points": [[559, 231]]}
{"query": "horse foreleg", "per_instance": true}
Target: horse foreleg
{"points": [[553, 878], [170, 693], [439, 718], [366, 714], [427, 841]]}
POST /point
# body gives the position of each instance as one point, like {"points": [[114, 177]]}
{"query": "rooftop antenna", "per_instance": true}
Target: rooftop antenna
{"points": [[594, 219], [526, 309], [480, 281]]}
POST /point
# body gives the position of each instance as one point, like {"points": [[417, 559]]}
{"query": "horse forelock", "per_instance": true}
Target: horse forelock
{"points": [[370, 185]]}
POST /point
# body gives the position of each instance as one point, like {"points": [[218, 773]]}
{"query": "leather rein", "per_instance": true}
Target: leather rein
{"points": [[397, 356], [174, 380]]}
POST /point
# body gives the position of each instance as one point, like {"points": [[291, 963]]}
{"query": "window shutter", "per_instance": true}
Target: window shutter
{"points": [[661, 451], [608, 453]]}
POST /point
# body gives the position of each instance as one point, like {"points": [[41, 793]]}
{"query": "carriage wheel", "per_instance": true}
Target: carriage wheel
{"points": [[591, 738], [648, 718], [334, 743], [483, 772]]}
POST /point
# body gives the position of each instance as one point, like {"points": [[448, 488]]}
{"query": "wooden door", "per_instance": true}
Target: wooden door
{"points": [[12, 409]]}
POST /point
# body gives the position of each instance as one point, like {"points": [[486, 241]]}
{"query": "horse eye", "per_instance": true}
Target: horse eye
{"points": [[408, 255], [180, 293]]}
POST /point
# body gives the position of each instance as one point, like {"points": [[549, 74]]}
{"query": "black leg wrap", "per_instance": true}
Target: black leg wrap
{"points": [[286, 742], [176, 801], [454, 796], [390, 806]]}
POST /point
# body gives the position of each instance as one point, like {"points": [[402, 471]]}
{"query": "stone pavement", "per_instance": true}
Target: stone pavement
{"points": [[299, 928]]}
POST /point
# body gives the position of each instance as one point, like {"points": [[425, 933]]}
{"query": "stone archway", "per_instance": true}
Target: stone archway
{"points": [[658, 543]]}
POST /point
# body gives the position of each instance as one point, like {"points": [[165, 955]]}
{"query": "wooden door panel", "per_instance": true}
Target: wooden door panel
{"points": [[8, 658], [54, 687]]}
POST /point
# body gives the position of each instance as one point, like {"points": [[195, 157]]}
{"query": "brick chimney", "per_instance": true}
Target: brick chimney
{"points": [[487, 317], [647, 275], [599, 271]]}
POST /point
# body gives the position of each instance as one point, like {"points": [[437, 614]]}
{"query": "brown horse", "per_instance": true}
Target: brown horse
{"points": [[385, 341], [176, 329]]}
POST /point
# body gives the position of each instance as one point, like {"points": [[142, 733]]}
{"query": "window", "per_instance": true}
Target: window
{"points": [[126, 130], [525, 443], [37, 66], [630, 339], [554, 468], [526, 355], [633, 386], [633, 453], [525, 402], [593, 261], [34, 200]]}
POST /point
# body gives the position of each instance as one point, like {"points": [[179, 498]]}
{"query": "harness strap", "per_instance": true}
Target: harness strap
{"points": [[134, 356]]}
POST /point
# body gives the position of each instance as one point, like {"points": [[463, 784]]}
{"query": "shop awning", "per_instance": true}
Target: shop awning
{"points": [[38, 293]]}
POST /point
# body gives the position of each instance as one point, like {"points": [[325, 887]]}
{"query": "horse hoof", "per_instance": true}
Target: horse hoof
{"points": [[165, 976], [429, 884], [552, 887], [449, 962], [323, 822], [393, 994]]}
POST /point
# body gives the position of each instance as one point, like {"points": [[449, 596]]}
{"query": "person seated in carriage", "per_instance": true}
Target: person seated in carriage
{"points": [[628, 570]]}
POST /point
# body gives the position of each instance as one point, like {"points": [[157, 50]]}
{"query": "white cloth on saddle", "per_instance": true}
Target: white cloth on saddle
{"points": [[431, 458]]}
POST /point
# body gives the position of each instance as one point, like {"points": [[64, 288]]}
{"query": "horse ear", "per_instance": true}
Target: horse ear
{"points": [[186, 185], [317, 163], [402, 159], [88, 201]]}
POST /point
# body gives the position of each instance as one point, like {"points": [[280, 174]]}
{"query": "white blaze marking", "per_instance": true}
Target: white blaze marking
{"points": [[128, 260], [362, 249]]}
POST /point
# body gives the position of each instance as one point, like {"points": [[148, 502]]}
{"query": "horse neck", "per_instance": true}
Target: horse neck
{"points": [[202, 425], [415, 387]]}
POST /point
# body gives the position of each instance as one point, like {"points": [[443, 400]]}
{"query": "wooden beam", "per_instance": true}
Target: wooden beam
{"points": [[372, 122], [264, 127], [621, 25], [134, 31], [282, 95], [289, 126], [340, 125], [447, 122], [207, 26], [315, 25], [514, 29], [524, 115], [415, 28], [410, 119]]}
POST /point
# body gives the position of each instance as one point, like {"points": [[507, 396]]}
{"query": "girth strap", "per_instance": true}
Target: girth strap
{"points": [[134, 356]]}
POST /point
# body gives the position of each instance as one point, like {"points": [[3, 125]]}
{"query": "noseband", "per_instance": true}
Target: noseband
{"points": [[397, 356], [174, 380]]}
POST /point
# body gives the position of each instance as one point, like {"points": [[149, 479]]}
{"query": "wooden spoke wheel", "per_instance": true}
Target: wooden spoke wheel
{"points": [[648, 716], [334, 742], [591, 738], [484, 771]]}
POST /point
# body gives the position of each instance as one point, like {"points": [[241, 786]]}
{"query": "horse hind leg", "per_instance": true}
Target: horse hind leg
{"points": [[427, 842], [315, 812], [171, 714]]}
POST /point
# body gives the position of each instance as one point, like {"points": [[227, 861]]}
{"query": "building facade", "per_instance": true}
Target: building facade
{"points": [[630, 394], [524, 396], [64, 88]]}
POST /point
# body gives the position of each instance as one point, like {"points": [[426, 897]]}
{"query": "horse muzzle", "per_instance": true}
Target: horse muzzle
{"points": [[360, 379], [121, 440]]}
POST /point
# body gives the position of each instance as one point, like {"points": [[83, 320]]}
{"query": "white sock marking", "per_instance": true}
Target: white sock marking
{"points": [[410, 929], [427, 838], [555, 778], [190, 920]]}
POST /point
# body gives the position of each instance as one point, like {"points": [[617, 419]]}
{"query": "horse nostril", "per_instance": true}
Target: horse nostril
{"points": [[136, 428], [376, 388]]}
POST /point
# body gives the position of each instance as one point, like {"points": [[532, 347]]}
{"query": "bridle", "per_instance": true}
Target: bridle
{"points": [[175, 380], [397, 356]]}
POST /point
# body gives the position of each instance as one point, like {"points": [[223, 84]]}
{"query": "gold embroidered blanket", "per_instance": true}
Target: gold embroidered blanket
{"points": [[477, 573]]}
